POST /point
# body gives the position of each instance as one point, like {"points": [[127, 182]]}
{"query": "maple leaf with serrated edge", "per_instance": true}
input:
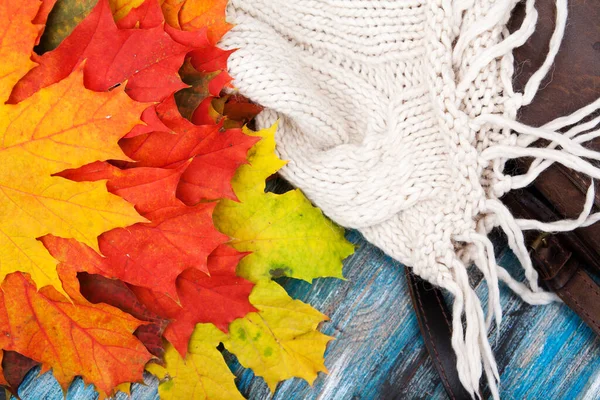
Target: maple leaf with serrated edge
{"points": [[201, 375], [281, 341], [148, 59], [278, 342], [216, 154], [73, 338], [178, 237], [218, 298], [285, 234], [150, 255], [62, 126]]}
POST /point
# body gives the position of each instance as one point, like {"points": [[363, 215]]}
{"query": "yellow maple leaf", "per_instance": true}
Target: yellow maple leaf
{"points": [[62, 126], [281, 341], [202, 375], [285, 234]]}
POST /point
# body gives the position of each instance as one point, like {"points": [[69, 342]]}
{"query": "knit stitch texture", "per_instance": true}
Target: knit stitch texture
{"points": [[397, 117]]}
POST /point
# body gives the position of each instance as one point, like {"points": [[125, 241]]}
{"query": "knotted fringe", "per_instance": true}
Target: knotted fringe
{"points": [[473, 351]]}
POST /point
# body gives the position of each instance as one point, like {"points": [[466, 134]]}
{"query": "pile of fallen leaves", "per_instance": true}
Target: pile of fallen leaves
{"points": [[135, 230]]}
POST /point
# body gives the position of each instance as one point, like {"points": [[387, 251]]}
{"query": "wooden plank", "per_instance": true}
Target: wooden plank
{"points": [[543, 352]]}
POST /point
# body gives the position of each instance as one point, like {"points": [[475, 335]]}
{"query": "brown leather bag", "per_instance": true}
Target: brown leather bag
{"points": [[564, 261]]}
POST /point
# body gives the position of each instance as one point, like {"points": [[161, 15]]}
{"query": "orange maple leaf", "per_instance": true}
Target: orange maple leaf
{"points": [[191, 15], [62, 126], [94, 341]]}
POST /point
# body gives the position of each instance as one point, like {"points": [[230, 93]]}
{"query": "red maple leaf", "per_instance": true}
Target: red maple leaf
{"points": [[150, 254], [215, 154], [193, 163], [148, 58], [219, 298]]}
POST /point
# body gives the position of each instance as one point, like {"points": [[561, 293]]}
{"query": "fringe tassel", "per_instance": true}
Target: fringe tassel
{"points": [[473, 351]]}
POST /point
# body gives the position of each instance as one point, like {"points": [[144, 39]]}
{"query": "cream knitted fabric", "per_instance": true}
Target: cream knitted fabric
{"points": [[397, 117]]}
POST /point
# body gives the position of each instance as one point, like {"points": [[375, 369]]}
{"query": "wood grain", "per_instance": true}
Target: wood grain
{"points": [[543, 352]]}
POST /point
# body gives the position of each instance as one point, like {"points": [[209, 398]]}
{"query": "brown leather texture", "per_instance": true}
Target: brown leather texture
{"points": [[555, 257], [573, 83], [434, 320]]}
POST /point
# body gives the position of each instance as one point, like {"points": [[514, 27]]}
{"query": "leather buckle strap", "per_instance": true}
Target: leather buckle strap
{"points": [[434, 320], [562, 272], [560, 261]]}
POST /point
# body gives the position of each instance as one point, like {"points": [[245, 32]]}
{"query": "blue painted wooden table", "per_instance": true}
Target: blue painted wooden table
{"points": [[543, 352]]}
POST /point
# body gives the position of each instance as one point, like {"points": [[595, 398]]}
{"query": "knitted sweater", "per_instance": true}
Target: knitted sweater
{"points": [[397, 117]]}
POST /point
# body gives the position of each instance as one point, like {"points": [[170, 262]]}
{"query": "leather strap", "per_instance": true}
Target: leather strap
{"points": [[434, 321], [562, 272], [560, 261]]}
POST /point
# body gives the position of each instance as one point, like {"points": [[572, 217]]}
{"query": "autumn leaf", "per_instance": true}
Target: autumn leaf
{"points": [[285, 234], [14, 368], [153, 255], [99, 289], [218, 298], [71, 338], [121, 8], [195, 101], [64, 17], [190, 15], [202, 375], [178, 237], [281, 341], [150, 255], [278, 342], [62, 126], [148, 59], [216, 154]]}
